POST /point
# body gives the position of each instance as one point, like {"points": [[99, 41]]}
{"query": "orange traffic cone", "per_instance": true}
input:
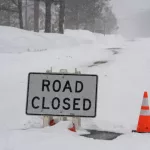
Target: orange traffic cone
{"points": [[73, 128], [144, 118], [52, 122]]}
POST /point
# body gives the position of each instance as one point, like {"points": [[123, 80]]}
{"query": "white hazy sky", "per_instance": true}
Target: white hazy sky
{"points": [[123, 8]]}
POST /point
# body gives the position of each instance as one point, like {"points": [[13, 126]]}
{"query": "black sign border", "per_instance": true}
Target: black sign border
{"points": [[68, 74]]}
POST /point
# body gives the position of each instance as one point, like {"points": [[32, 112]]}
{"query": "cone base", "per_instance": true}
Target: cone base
{"points": [[143, 124], [52, 123], [139, 132], [72, 129]]}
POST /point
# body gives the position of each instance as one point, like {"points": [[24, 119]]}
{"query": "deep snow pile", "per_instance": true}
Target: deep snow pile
{"points": [[14, 40], [16, 65], [22, 41], [59, 137], [122, 81]]}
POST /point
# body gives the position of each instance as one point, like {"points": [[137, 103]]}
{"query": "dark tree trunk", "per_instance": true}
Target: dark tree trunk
{"points": [[36, 15], [8, 16], [62, 16], [26, 14], [77, 16], [48, 16], [20, 13]]}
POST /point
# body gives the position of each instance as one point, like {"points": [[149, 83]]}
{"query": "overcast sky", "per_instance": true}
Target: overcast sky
{"points": [[125, 11], [123, 8]]}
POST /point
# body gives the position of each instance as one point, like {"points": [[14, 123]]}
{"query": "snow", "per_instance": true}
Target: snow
{"points": [[59, 137], [122, 81]]}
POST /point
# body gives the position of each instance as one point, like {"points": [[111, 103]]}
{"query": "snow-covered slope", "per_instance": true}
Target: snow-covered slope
{"points": [[14, 40], [22, 41], [122, 81]]}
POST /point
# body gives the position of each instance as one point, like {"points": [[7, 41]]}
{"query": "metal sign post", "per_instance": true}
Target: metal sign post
{"points": [[47, 119]]}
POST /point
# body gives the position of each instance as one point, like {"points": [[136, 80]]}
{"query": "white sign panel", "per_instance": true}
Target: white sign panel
{"points": [[62, 94]]}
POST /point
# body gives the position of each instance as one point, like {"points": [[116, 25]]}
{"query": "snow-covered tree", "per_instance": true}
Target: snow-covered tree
{"points": [[83, 14], [55, 15], [11, 13]]}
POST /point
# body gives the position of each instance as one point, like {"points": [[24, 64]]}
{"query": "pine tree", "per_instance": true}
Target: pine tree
{"points": [[10, 9], [82, 14]]}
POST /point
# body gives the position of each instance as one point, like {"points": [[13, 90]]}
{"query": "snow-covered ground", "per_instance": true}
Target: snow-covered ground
{"points": [[122, 81]]}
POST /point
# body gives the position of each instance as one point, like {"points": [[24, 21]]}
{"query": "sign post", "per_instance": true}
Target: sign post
{"points": [[46, 119], [62, 94]]}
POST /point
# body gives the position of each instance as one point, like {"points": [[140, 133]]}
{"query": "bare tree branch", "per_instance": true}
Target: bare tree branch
{"points": [[2, 8], [14, 2]]}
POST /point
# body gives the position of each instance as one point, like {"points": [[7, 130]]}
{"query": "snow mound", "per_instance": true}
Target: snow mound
{"points": [[111, 41], [122, 81], [14, 40], [81, 35]]}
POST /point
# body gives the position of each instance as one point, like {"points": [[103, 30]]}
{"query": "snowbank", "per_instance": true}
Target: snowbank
{"points": [[81, 35], [63, 51], [122, 81], [60, 138], [14, 40], [110, 41]]}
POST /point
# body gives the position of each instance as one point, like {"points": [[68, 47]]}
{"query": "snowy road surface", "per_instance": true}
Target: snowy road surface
{"points": [[122, 82]]}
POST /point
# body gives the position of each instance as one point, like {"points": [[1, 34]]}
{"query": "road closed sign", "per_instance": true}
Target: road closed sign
{"points": [[62, 94]]}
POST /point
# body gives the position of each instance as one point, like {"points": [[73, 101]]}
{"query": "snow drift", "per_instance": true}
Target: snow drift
{"points": [[14, 40], [124, 74]]}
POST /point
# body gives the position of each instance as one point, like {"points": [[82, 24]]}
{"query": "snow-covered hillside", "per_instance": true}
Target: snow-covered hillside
{"points": [[122, 80]]}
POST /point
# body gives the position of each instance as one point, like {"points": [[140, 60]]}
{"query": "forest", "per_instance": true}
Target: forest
{"points": [[54, 16]]}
